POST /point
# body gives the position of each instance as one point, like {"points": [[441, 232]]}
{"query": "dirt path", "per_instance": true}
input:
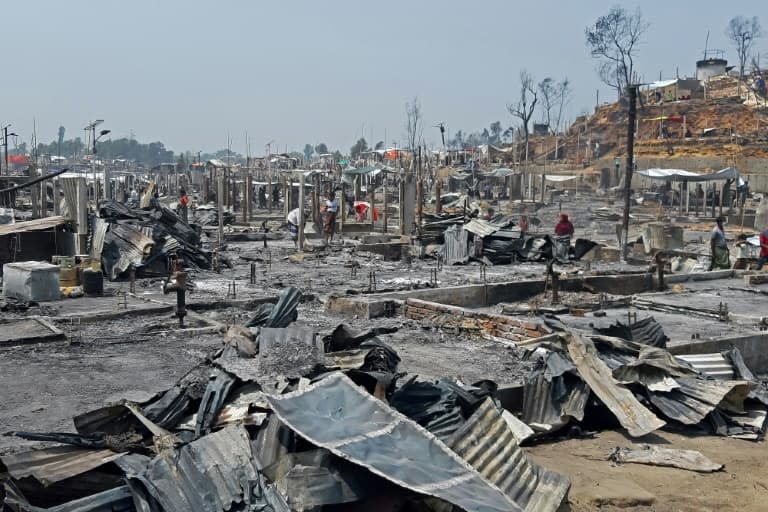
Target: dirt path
{"points": [[598, 484]]}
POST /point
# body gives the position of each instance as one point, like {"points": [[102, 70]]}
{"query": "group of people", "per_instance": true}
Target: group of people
{"points": [[721, 256], [329, 210]]}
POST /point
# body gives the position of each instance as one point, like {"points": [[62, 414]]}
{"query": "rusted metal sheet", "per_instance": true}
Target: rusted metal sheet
{"points": [[632, 415], [487, 443], [51, 465]]}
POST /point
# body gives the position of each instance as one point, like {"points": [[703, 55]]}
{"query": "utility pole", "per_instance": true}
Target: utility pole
{"points": [[5, 147], [269, 178], [632, 90]]}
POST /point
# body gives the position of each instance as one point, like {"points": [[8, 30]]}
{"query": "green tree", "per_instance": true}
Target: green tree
{"points": [[321, 149], [308, 150], [359, 147], [380, 145]]}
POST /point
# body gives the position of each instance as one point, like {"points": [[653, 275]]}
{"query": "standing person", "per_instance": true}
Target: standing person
{"points": [[562, 240], [293, 219], [329, 220], [183, 203], [564, 227], [763, 259], [263, 197], [523, 224], [133, 202], [721, 257]]}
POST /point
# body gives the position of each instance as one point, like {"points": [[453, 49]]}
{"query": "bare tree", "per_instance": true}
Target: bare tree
{"points": [[547, 91], [413, 123], [613, 41], [525, 106], [742, 32], [555, 96], [563, 93]]}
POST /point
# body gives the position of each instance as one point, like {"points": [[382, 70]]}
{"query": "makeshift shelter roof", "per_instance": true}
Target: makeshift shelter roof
{"points": [[362, 170], [215, 162], [662, 83], [558, 178], [32, 225], [501, 172], [681, 175]]}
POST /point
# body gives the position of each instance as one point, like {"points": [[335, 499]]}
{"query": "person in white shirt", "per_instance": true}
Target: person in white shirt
{"points": [[329, 220], [293, 219]]}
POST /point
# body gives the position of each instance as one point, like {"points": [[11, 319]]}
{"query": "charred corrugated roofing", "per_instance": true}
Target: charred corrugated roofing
{"points": [[487, 443]]}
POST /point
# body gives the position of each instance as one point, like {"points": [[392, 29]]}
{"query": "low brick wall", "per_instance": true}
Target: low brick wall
{"points": [[474, 322]]}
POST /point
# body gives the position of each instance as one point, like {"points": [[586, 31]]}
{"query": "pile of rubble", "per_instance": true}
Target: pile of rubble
{"points": [[640, 384], [144, 238], [281, 418]]}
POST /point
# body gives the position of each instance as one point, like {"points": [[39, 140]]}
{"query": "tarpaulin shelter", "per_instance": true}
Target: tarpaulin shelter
{"points": [[557, 178], [729, 173], [501, 172]]}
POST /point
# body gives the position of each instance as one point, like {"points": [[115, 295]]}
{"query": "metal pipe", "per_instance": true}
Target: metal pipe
{"points": [[33, 182]]}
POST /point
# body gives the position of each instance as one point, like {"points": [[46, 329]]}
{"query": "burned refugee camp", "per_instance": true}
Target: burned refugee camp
{"points": [[429, 257]]}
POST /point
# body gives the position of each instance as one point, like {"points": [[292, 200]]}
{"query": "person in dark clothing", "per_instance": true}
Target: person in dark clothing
{"points": [[262, 197]]}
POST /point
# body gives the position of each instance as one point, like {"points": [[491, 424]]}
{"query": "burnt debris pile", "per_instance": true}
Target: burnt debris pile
{"points": [[594, 380], [145, 239], [282, 418]]}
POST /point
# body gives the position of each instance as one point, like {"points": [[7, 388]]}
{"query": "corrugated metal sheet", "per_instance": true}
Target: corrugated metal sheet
{"points": [[118, 499], [657, 236], [481, 228], [632, 415], [646, 331], [543, 412], [336, 414], [711, 365], [98, 235], [32, 225], [210, 474], [486, 442], [69, 186], [694, 399], [131, 245], [456, 246], [51, 465]]}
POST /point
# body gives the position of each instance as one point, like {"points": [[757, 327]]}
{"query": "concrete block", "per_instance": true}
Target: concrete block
{"points": [[35, 281], [390, 251], [362, 307], [755, 279]]}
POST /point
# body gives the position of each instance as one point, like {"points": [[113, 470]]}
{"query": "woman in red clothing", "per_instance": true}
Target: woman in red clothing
{"points": [[564, 227]]}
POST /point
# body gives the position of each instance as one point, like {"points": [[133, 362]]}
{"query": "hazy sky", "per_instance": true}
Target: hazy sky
{"points": [[186, 72]]}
